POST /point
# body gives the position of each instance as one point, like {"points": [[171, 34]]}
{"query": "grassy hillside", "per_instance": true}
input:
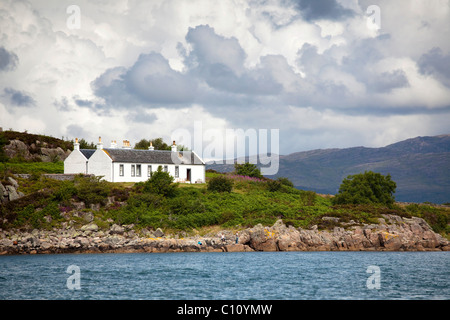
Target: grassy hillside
{"points": [[48, 203]]}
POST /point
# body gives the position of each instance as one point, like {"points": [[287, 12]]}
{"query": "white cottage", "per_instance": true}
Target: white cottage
{"points": [[130, 165]]}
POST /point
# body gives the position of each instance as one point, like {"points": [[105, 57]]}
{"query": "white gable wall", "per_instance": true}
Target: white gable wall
{"points": [[76, 162], [100, 164]]}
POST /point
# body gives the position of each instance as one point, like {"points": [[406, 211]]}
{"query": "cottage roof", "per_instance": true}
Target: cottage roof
{"points": [[152, 156]]}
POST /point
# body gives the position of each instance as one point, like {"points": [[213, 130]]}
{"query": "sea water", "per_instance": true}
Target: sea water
{"points": [[217, 276]]}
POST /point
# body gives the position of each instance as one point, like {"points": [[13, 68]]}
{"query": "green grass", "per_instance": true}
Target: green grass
{"points": [[32, 167]]}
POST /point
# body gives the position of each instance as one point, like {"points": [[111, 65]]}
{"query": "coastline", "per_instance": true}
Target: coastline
{"points": [[393, 233]]}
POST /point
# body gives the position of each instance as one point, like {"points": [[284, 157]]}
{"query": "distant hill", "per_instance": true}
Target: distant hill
{"points": [[420, 167]]}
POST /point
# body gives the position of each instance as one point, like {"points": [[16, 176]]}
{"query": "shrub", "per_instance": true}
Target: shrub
{"points": [[220, 184], [274, 185], [308, 198], [91, 190], [366, 188], [247, 169], [161, 183]]}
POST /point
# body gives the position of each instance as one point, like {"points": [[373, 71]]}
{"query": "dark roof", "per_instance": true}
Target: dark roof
{"points": [[152, 156], [87, 152]]}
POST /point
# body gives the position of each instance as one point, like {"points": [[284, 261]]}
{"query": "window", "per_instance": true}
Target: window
{"points": [[133, 170], [138, 170], [166, 168], [149, 171], [177, 172], [121, 170]]}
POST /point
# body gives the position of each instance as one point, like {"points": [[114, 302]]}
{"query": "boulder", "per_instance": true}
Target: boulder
{"points": [[89, 227], [116, 229], [158, 233]]}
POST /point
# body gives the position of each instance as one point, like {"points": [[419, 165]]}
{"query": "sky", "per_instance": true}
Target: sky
{"points": [[324, 73]]}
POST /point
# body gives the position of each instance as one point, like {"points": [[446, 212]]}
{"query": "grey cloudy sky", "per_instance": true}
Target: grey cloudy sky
{"points": [[314, 69]]}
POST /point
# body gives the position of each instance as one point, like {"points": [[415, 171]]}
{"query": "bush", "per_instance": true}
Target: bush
{"points": [[281, 184], [247, 169], [366, 188], [161, 183], [91, 190], [220, 184], [273, 185]]}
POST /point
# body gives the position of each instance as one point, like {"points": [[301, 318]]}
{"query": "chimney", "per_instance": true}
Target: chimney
{"points": [[113, 144], [126, 144], [174, 147], [151, 147], [76, 145], [99, 144]]}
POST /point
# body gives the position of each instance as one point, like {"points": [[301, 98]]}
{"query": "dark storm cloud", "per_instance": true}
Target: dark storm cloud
{"points": [[436, 64], [150, 80], [387, 81], [8, 60], [18, 98], [322, 9]]}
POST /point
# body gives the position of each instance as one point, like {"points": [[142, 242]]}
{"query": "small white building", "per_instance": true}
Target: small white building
{"points": [[131, 165]]}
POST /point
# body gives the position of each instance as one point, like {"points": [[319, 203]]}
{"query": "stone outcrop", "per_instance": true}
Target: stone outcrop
{"points": [[9, 191], [394, 233], [35, 152]]}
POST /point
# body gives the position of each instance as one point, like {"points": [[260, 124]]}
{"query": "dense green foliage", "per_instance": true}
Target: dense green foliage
{"points": [[365, 188], [220, 184], [247, 169], [48, 203], [160, 183]]}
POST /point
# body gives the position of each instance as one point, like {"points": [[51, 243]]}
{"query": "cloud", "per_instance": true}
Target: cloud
{"points": [[8, 60], [18, 98], [322, 9], [150, 80], [436, 64]]}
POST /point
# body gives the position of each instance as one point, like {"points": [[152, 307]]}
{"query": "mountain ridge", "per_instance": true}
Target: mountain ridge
{"points": [[420, 166]]}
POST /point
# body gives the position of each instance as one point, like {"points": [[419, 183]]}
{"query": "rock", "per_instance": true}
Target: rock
{"points": [[12, 193], [332, 219], [262, 239], [237, 248], [13, 182], [89, 227], [17, 148], [116, 229], [158, 233], [78, 205]]}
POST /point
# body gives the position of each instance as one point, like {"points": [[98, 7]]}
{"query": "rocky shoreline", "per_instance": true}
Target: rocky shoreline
{"points": [[393, 233]]}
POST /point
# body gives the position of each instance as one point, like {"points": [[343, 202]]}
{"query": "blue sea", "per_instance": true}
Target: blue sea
{"points": [[234, 276]]}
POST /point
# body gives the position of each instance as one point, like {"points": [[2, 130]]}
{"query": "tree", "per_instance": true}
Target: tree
{"points": [[85, 145], [160, 182], [247, 169], [159, 144], [143, 144], [366, 188]]}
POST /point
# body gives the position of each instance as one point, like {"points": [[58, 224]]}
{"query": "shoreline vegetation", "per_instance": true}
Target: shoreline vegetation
{"points": [[88, 215], [44, 211]]}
